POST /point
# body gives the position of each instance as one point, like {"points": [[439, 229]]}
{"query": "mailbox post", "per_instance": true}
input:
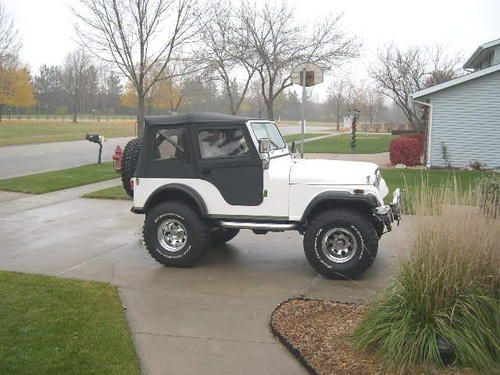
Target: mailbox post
{"points": [[96, 138]]}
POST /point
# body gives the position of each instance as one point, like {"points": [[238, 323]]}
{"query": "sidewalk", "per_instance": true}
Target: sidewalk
{"points": [[17, 202]]}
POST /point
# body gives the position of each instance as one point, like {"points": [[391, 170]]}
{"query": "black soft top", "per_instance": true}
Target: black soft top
{"points": [[194, 118]]}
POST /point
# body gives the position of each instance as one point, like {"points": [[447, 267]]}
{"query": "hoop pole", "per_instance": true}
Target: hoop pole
{"points": [[303, 122]]}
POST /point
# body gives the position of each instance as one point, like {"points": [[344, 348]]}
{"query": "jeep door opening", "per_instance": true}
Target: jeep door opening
{"points": [[202, 177]]}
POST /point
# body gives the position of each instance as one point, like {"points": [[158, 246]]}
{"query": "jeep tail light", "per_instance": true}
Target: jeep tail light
{"points": [[132, 183]]}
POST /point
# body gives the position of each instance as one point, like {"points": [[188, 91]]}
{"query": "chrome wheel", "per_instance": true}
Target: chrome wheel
{"points": [[339, 245], [172, 235]]}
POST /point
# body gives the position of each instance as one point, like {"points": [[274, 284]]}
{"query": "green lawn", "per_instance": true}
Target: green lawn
{"points": [[414, 178], [296, 137], [14, 132], [51, 325], [115, 192], [341, 144], [411, 180], [58, 180]]}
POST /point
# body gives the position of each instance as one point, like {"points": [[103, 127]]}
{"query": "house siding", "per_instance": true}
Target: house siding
{"points": [[466, 118]]}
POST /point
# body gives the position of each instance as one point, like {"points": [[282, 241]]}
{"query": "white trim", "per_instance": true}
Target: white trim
{"points": [[479, 50], [456, 81], [429, 132]]}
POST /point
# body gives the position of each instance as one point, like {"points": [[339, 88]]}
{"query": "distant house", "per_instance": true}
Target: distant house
{"points": [[464, 113]]}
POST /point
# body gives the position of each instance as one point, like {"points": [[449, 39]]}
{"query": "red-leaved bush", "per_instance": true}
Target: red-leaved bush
{"points": [[407, 150]]}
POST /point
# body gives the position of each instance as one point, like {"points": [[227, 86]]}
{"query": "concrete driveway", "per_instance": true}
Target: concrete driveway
{"points": [[210, 319]]}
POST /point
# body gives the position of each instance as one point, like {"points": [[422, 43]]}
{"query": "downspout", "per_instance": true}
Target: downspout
{"points": [[429, 135]]}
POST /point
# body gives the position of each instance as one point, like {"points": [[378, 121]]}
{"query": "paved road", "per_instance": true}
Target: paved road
{"points": [[26, 159], [210, 319]]}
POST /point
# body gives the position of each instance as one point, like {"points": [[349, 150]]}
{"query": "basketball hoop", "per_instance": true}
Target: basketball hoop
{"points": [[305, 75], [312, 72]]}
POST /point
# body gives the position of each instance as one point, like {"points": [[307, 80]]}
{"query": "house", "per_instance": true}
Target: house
{"points": [[463, 114]]}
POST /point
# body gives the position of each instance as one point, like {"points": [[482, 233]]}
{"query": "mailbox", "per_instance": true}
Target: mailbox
{"points": [[96, 138]]}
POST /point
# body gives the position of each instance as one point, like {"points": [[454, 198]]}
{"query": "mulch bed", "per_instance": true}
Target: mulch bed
{"points": [[317, 333]]}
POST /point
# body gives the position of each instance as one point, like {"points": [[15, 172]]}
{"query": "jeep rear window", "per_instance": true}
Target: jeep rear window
{"points": [[268, 130], [170, 144], [222, 143]]}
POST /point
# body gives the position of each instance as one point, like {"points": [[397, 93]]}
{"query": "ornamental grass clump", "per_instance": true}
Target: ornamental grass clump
{"points": [[447, 290], [488, 188]]}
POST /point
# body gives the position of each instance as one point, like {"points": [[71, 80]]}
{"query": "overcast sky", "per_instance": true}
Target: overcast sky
{"points": [[47, 31]]}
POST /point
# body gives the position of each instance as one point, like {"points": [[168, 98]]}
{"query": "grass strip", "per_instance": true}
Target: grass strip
{"points": [[115, 192], [60, 326], [57, 180]]}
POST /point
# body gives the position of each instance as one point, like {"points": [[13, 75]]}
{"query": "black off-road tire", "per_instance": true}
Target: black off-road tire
{"points": [[222, 235], [195, 228], [343, 224], [130, 158]]}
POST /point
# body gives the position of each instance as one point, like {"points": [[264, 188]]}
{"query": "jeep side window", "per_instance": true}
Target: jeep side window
{"points": [[170, 144], [222, 143]]}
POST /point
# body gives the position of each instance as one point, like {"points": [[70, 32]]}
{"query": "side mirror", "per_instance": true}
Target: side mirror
{"points": [[294, 147], [264, 146]]}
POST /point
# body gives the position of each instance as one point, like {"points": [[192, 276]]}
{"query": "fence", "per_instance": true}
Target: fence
{"points": [[68, 117]]}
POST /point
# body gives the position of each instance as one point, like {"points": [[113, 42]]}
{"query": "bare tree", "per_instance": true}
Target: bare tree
{"points": [[75, 75], [273, 35], [443, 67], [337, 95], [138, 36], [9, 37], [372, 100], [400, 72], [226, 61]]}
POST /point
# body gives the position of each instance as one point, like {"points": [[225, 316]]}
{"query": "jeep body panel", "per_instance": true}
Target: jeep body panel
{"points": [[274, 206]]}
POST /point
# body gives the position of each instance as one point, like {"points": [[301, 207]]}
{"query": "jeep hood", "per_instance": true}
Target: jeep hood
{"points": [[331, 172]]}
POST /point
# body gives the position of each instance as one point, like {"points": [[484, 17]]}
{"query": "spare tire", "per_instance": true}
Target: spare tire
{"points": [[130, 158]]}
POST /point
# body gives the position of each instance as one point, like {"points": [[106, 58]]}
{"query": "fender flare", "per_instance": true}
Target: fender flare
{"points": [[344, 197], [200, 203]]}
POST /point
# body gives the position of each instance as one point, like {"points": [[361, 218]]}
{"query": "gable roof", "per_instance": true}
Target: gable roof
{"points": [[456, 81], [470, 62], [195, 117]]}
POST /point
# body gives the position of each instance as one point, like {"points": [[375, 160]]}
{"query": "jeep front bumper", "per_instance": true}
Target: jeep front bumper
{"points": [[389, 213]]}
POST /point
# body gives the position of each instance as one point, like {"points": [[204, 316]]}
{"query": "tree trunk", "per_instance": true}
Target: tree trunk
{"points": [[338, 122], [1, 112], [230, 97], [140, 115], [75, 110], [270, 110]]}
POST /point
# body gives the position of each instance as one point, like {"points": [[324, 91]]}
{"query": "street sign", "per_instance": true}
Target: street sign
{"points": [[313, 74]]}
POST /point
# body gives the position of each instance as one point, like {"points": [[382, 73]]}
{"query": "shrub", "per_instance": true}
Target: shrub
{"points": [[447, 287], [407, 150]]}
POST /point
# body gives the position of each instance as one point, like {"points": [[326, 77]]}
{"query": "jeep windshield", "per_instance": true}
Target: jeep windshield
{"points": [[267, 129]]}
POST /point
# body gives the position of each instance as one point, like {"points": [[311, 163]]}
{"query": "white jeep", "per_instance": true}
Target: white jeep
{"points": [[200, 178]]}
